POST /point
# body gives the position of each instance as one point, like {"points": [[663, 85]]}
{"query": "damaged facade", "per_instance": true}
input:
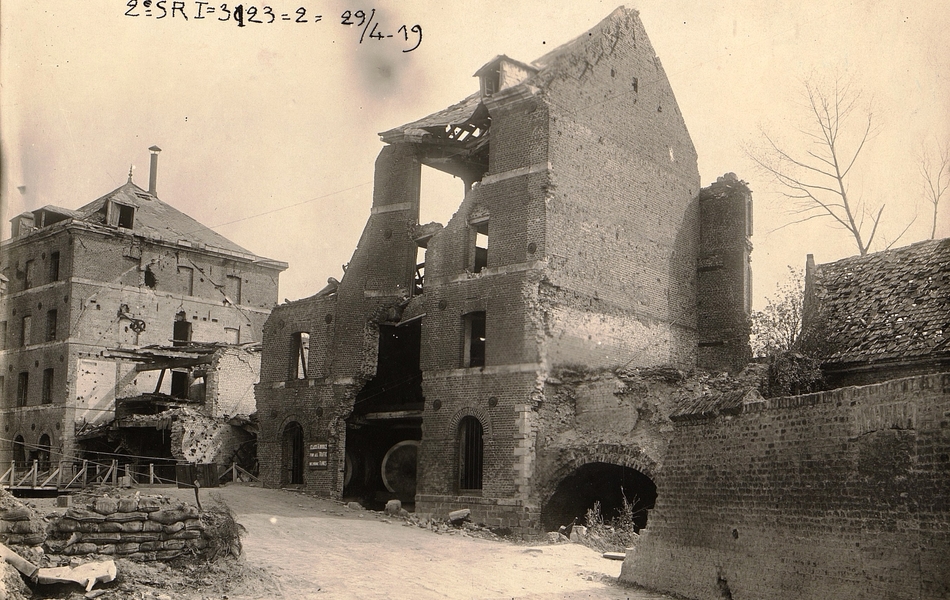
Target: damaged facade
{"points": [[120, 273], [582, 242]]}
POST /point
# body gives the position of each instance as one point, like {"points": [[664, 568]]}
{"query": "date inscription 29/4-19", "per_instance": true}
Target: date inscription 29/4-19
{"points": [[245, 15]]}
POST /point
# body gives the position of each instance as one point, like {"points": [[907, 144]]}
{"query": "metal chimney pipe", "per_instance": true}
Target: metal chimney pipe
{"points": [[153, 169]]}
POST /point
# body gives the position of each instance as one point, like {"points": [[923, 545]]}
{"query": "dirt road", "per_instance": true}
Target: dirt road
{"points": [[321, 549]]}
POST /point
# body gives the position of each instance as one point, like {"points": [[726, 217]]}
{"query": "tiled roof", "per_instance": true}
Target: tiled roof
{"points": [[156, 219], [886, 306]]}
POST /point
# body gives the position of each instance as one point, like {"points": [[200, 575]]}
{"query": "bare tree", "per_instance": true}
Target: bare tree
{"points": [[935, 169], [815, 179]]}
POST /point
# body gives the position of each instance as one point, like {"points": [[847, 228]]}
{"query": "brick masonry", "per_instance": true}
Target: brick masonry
{"points": [[108, 276], [592, 211], [840, 494]]}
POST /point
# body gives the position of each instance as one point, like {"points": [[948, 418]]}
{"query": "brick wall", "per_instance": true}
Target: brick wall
{"points": [[621, 221], [724, 275], [841, 494]]}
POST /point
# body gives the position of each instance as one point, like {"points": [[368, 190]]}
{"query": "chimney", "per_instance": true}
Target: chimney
{"points": [[153, 169]]}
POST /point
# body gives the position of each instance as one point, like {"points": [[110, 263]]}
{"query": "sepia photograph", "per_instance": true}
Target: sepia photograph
{"points": [[483, 300]]}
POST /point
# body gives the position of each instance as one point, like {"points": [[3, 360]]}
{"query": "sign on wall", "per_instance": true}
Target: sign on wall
{"points": [[318, 456]]}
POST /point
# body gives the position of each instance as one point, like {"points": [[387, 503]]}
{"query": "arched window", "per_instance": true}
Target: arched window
{"points": [[471, 453]]}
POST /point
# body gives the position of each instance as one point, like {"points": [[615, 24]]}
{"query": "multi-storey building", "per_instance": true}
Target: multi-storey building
{"points": [[124, 271], [581, 243]]}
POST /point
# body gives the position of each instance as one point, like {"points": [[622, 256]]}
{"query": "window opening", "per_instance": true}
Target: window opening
{"points": [[150, 280], [480, 253], [51, 325], [474, 351], [301, 355], [54, 266], [440, 194], [419, 280], [26, 330], [22, 388], [47, 386], [126, 215], [180, 383], [29, 269], [3, 335], [471, 453]]}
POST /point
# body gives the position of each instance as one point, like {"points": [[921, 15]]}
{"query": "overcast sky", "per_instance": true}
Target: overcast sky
{"points": [[269, 131]]}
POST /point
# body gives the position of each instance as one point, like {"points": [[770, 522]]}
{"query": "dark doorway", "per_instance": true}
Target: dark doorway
{"points": [[19, 452], [599, 482], [293, 454], [44, 453]]}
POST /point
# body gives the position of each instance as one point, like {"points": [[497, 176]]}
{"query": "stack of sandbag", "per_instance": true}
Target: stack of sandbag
{"points": [[143, 528], [19, 524]]}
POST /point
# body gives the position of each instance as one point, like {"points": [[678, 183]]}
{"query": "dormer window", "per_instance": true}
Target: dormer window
{"points": [[121, 215], [489, 83], [502, 72]]}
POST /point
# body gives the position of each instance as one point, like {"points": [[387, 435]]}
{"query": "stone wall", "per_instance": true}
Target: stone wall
{"points": [[841, 494]]}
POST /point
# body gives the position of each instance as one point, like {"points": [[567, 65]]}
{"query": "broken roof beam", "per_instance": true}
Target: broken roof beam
{"points": [[160, 364]]}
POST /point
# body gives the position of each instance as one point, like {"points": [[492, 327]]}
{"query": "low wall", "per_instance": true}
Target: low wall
{"points": [[842, 494]]}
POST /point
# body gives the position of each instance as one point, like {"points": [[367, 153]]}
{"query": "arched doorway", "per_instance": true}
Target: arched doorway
{"points": [[44, 453], [293, 454], [19, 452], [601, 482]]}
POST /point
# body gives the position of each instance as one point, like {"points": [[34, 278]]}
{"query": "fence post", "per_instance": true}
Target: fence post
{"points": [[59, 474], [36, 468], [151, 473], [234, 478], [85, 471], [13, 474], [115, 472]]}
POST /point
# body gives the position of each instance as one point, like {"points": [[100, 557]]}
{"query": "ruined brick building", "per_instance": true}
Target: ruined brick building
{"points": [[433, 371], [122, 272]]}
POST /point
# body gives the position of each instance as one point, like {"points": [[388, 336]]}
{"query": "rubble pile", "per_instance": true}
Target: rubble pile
{"points": [[143, 528]]}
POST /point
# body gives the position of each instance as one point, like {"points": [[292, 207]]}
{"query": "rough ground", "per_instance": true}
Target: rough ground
{"points": [[302, 547]]}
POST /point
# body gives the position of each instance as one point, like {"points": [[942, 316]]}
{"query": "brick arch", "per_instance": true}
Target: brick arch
{"points": [[631, 456], [470, 411]]}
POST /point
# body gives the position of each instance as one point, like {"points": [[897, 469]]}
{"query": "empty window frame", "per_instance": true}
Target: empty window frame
{"points": [[479, 246], [51, 325], [54, 266], [232, 287], [473, 349], [471, 454], [26, 330], [47, 397], [22, 388], [124, 215], [300, 354], [181, 381], [29, 274]]}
